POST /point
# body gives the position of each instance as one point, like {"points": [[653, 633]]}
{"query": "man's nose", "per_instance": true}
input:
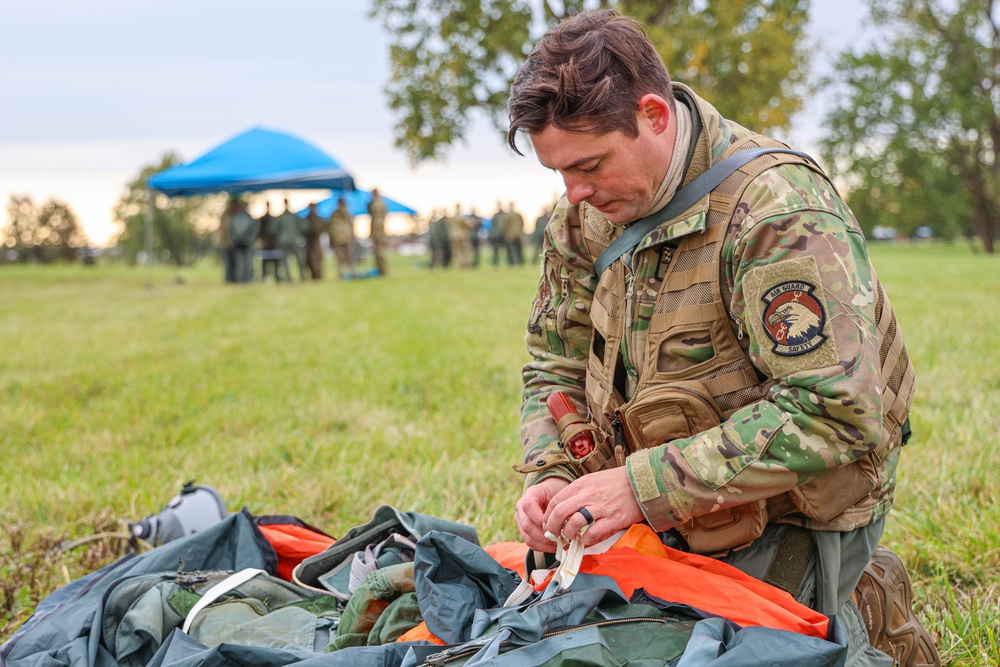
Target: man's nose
{"points": [[577, 189]]}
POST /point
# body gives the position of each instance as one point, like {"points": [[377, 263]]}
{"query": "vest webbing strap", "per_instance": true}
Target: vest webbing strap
{"points": [[685, 198]]}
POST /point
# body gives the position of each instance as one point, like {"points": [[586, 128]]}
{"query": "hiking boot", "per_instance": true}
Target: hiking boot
{"points": [[884, 598]]}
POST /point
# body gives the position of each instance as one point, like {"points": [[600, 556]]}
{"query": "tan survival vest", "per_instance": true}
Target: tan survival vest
{"points": [[669, 405]]}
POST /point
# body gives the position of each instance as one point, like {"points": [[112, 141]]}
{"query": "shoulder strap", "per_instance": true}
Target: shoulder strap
{"points": [[684, 199]]}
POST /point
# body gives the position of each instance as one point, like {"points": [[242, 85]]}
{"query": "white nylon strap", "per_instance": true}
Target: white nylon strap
{"points": [[218, 590], [569, 554]]}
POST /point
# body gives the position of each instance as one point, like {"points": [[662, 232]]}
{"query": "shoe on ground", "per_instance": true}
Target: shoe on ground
{"points": [[885, 599]]}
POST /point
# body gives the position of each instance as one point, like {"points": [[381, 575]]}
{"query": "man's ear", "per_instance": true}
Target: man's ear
{"points": [[656, 111]]}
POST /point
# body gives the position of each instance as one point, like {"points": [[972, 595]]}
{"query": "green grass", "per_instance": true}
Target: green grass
{"points": [[328, 400]]}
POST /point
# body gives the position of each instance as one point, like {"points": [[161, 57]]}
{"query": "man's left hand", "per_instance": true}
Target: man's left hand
{"points": [[606, 495]]}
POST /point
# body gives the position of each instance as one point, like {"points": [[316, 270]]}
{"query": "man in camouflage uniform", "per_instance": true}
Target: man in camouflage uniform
{"points": [[268, 237], [342, 239], [376, 209], [496, 233], [739, 368], [458, 237], [513, 231], [288, 227], [438, 238], [475, 227], [313, 229], [243, 231]]}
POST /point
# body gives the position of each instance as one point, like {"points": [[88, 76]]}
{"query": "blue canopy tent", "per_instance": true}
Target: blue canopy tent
{"points": [[357, 204], [259, 159]]}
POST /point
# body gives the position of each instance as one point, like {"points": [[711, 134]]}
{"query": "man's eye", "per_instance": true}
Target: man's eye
{"points": [[591, 169]]}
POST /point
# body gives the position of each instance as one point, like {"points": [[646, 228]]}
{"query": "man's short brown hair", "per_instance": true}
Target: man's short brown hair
{"points": [[587, 74]]}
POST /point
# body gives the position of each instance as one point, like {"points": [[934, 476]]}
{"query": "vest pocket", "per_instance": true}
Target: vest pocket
{"points": [[669, 412], [826, 498], [684, 350]]}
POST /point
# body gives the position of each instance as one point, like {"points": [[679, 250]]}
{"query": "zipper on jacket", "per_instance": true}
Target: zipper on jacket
{"points": [[563, 306], [619, 432], [626, 329]]}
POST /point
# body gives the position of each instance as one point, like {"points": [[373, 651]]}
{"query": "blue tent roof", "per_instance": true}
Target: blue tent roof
{"points": [[259, 159], [357, 204]]}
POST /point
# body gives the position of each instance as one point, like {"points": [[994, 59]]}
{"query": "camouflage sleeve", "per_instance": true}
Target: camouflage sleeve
{"points": [[558, 339], [802, 289]]}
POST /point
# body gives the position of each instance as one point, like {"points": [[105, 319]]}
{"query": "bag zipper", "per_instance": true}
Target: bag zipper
{"points": [[431, 662]]}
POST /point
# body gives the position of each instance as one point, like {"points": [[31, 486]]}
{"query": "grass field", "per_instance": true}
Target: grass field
{"points": [[328, 400]]}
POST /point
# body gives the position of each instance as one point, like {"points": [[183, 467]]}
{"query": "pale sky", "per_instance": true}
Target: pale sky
{"points": [[92, 91]]}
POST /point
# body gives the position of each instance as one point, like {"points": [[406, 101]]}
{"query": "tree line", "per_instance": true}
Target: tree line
{"points": [[913, 133]]}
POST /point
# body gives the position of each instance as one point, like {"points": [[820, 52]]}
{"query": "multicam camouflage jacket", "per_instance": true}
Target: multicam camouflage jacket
{"points": [[821, 404], [341, 227]]}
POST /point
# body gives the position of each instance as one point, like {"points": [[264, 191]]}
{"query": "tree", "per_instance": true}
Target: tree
{"points": [[747, 57], [182, 226], [43, 233], [450, 58], [916, 132]]}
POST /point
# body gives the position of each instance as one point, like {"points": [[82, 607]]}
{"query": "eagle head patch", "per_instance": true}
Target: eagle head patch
{"points": [[793, 318]]}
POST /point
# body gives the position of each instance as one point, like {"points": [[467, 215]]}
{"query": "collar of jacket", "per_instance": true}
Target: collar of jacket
{"points": [[709, 138]]}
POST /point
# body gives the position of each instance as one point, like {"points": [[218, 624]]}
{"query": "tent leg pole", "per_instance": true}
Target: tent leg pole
{"points": [[149, 237]]}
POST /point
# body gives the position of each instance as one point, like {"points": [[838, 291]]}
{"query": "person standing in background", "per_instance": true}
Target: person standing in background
{"points": [[312, 230], [458, 236], [243, 231], [438, 238], [513, 233], [289, 237], [268, 238], [342, 239], [496, 234], [376, 209]]}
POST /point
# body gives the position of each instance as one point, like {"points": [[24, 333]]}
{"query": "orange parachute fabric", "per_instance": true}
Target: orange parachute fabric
{"points": [[640, 560], [293, 540]]}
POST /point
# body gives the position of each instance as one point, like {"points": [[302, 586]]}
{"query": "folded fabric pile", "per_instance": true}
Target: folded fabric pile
{"points": [[406, 589]]}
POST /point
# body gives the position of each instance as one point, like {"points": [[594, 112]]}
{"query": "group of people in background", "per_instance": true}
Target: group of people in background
{"points": [[277, 237], [458, 238]]}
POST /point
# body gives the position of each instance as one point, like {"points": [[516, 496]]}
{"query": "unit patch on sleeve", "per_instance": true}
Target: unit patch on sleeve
{"points": [[786, 312], [793, 318]]}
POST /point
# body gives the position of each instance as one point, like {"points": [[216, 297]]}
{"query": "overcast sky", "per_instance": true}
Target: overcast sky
{"points": [[92, 91]]}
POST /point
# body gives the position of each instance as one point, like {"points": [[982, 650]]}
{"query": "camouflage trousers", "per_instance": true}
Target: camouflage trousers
{"points": [[834, 570], [345, 263]]}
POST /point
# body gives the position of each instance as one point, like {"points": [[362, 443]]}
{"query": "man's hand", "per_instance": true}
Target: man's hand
{"points": [[607, 495], [531, 512]]}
